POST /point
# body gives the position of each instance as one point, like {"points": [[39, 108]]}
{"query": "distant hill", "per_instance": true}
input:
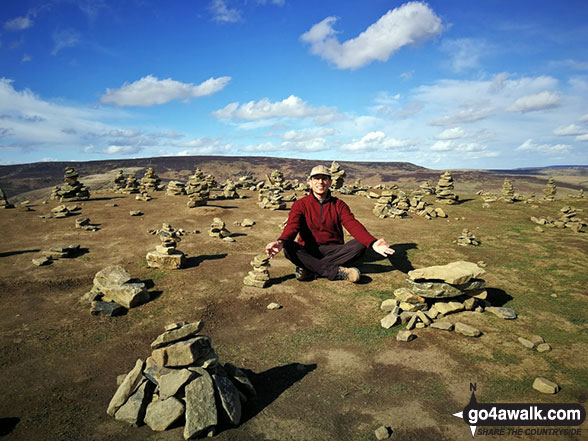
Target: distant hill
{"points": [[18, 181]]}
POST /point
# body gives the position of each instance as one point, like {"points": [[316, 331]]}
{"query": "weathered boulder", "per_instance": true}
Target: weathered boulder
{"points": [[467, 330], [114, 282], [545, 386]]}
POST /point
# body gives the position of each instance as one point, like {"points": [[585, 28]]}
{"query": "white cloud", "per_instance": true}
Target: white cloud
{"points": [[453, 133], [539, 101], [468, 115], [582, 137], [205, 146], [584, 118], [64, 38], [122, 149], [18, 24], [291, 107], [222, 13], [529, 146], [275, 2], [465, 53], [307, 135], [471, 150], [378, 141], [408, 24], [26, 58], [149, 91], [570, 130]]}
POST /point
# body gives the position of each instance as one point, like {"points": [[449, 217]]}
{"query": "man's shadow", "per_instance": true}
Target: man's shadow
{"points": [[398, 261]]}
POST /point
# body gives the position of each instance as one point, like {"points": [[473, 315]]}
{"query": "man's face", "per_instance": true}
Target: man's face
{"points": [[320, 184]]}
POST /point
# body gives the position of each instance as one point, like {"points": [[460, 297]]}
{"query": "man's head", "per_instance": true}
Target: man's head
{"points": [[320, 181]]}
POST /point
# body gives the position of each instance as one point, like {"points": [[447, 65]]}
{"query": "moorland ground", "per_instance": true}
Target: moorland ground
{"points": [[324, 367]]}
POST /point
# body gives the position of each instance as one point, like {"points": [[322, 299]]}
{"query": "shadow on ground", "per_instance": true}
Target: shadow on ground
{"points": [[7, 425], [14, 253], [194, 261], [398, 261]]}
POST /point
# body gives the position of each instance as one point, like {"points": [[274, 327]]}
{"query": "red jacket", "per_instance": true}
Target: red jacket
{"points": [[323, 224]]}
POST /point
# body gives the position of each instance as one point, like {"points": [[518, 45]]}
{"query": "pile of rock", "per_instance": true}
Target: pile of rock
{"points": [[579, 195], [426, 189], [337, 175], [230, 190], [114, 291], [120, 181], [132, 186], [247, 223], [260, 276], [62, 211], [182, 380], [218, 229], [569, 219], [246, 181], [444, 190], [143, 195], [271, 199], [4, 200], [57, 252], [175, 188], [508, 193], [437, 291], [150, 181], [398, 206], [83, 223], [467, 239], [550, 190], [199, 195], [196, 182], [166, 255], [72, 189]]}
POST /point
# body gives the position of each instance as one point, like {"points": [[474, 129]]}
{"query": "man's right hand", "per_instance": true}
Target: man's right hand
{"points": [[273, 248]]}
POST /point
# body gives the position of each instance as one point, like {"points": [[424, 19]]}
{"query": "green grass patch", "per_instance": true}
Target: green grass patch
{"points": [[506, 389]]}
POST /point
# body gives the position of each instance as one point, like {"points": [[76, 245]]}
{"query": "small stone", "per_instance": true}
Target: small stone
{"points": [[405, 336], [526, 343], [388, 305], [42, 261], [545, 386], [110, 309], [273, 306], [537, 339], [443, 325], [504, 313], [389, 321], [125, 389], [135, 213], [175, 325], [383, 432], [412, 322], [405, 316], [467, 330], [543, 347]]}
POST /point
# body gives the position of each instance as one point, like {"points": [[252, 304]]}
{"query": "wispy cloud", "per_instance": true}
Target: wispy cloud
{"points": [[452, 133], [222, 13], [150, 90], [410, 23], [570, 130], [18, 24], [378, 141], [540, 101], [464, 53], [64, 38], [530, 146]]}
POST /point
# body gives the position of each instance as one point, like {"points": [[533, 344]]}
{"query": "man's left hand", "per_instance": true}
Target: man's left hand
{"points": [[382, 247]]}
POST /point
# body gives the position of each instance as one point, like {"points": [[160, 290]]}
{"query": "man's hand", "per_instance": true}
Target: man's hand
{"points": [[381, 247], [273, 248]]}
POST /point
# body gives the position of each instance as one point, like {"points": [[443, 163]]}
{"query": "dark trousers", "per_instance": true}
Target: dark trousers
{"points": [[326, 259]]}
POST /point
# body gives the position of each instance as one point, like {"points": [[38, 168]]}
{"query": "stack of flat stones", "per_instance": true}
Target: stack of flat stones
{"points": [[4, 200], [132, 186], [83, 223], [550, 190], [271, 199], [150, 181], [57, 252], [426, 188], [259, 276], [337, 175], [114, 291], [120, 181], [197, 189], [166, 255], [276, 180], [143, 195], [568, 219], [579, 195], [467, 239], [176, 188], [508, 193], [390, 205], [246, 181], [218, 229], [444, 190], [436, 292], [62, 211], [230, 190], [72, 189], [182, 381]]}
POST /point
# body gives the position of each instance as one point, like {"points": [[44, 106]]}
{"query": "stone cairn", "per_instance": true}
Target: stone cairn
{"points": [[230, 190], [444, 190], [467, 239], [337, 175], [260, 276], [120, 181], [62, 211], [131, 186], [550, 190], [175, 188], [166, 255], [4, 200], [197, 189], [83, 223], [150, 182], [72, 189], [271, 199], [398, 206], [218, 229], [57, 252], [246, 181], [579, 195], [114, 291], [182, 380], [508, 193], [436, 292], [569, 219], [426, 189]]}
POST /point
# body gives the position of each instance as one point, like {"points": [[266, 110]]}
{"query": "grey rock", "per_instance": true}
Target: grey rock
{"points": [[201, 414], [468, 330], [229, 397], [423, 318], [153, 371], [172, 381], [545, 386], [109, 309], [412, 322], [115, 283], [382, 433], [443, 325], [389, 321], [125, 389], [163, 413], [133, 411], [455, 273], [505, 313], [240, 379], [405, 336], [435, 289], [183, 353], [185, 331]]}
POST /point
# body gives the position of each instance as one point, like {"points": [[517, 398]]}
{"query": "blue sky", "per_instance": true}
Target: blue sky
{"points": [[444, 84]]}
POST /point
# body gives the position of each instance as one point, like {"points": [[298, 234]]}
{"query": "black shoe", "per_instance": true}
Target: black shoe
{"points": [[350, 274], [304, 275]]}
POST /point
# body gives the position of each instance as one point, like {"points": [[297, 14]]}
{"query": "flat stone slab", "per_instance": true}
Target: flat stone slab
{"points": [[156, 259], [405, 336], [545, 386], [133, 411], [183, 332], [110, 309], [172, 381], [229, 397], [443, 325], [183, 353], [468, 330], [201, 413], [163, 413], [504, 313], [438, 289], [389, 321], [126, 388], [454, 273], [445, 308]]}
